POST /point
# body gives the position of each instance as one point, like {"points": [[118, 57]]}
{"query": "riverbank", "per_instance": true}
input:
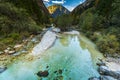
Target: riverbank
{"points": [[19, 50], [46, 42], [28, 47], [109, 69]]}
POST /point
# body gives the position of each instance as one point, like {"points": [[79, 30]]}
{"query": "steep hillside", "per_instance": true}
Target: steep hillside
{"points": [[57, 10], [19, 19], [35, 8], [101, 23], [82, 7]]}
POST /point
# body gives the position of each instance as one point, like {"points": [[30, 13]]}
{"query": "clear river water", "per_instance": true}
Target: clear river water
{"points": [[71, 57]]}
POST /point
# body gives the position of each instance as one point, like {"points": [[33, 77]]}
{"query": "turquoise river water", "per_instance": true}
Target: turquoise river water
{"points": [[75, 55]]}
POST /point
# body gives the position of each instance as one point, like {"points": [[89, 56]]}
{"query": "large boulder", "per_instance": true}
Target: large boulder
{"points": [[107, 78], [115, 74], [103, 70]]}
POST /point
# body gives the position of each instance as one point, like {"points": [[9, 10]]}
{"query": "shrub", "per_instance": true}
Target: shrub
{"points": [[108, 44]]}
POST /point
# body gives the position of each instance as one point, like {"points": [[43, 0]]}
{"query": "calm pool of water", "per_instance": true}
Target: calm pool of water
{"points": [[69, 54]]}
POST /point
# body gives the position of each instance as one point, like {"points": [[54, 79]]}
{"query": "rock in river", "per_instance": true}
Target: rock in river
{"points": [[2, 69], [104, 70], [43, 73], [93, 78], [107, 78]]}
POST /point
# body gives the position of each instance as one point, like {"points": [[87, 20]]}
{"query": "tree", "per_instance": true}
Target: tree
{"points": [[105, 7]]}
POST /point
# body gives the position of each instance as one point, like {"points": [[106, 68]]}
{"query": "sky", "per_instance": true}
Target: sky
{"points": [[69, 4]]}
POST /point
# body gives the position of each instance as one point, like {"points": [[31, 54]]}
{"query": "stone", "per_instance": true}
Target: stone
{"points": [[114, 74], [56, 30], [60, 71], [100, 64], [55, 71], [59, 78], [107, 78], [103, 70], [47, 66], [11, 52], [18, 46], [47, 41], [93, 78], [6, 50], [2, 69], [43, 73]]}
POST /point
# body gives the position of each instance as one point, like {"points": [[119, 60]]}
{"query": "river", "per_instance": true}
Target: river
{"points": [[75, 55]]}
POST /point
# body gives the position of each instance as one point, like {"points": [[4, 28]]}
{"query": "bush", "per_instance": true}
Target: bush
{"points": [[91, 21], [15, 24], [105, 35], [108, 44]]}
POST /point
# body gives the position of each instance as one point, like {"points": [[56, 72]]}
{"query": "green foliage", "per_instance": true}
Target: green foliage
{"points": [[90, 21], [17, 20], [105, 35], [108, 44], [15, 24], [105, 7], [32, 8], [64, 22]]}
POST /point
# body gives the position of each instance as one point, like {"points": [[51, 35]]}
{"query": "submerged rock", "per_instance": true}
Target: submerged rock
{"points": [[93, 78], [60, 71], [107, 78], [43, 73], [58, 78], [2, 69], [103, 70]]}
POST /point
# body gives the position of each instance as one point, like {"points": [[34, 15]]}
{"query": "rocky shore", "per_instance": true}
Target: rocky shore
{"points": [[109, 69], [46, 42]]}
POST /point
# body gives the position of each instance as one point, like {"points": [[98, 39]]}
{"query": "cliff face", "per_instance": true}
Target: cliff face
{"points": [[82, 7], [42, 6], [57, 10]]}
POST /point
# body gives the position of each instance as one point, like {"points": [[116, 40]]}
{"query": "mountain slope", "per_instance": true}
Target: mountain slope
{"points": [[82, 7], [35, 8], [19, 19], [57, 10]]}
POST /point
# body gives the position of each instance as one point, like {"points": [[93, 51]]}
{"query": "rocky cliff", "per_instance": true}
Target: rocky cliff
{"points": [[42, 6], [57, 10], [82, 7]]}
